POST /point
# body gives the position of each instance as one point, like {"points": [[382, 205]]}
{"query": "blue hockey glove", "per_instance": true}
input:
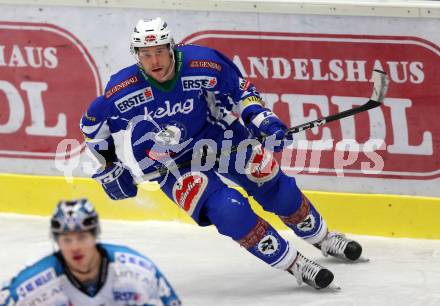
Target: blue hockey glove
{"points": [[117, 181], [265, 124]]}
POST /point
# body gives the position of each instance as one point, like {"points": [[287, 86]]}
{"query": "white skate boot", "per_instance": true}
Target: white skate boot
{"points": [[337, 245], [311, 273]]}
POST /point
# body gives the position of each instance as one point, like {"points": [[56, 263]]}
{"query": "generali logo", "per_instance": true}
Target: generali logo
{"points": [[307, 76], [47, 79]]}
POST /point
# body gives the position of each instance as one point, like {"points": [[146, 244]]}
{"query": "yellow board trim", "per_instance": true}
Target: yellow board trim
{"points": [[366, 214]]}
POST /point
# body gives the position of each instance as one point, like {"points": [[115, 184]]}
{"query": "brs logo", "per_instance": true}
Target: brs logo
{"points": [[134, 99], [198, 82], [125, 296]]}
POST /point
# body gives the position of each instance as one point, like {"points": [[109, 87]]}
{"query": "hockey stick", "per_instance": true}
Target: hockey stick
{"points": [[380, 87]]}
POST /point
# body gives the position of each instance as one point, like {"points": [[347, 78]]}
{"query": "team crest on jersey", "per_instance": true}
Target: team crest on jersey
{"points": [[188, 190], [134, 99], [169, 135], [122, 85], [269, 245], [198, 82], [262, 167]]}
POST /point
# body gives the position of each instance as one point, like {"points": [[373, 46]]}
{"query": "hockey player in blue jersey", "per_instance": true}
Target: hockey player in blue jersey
{"points": [[84, 272], [178, 101]]}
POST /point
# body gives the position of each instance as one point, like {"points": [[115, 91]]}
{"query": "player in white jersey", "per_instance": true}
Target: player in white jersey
{"points": [[85, 272]]}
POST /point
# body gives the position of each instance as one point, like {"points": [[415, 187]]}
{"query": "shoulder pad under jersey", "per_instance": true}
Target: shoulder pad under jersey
{"points": [[205, 58], [122, 82], [125, 255]]}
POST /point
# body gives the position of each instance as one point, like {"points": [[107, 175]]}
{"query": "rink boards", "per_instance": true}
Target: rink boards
{"points": [[366, 214], [308, 60]]}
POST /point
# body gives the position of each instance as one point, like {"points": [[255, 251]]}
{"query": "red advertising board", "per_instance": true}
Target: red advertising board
{"points": [[306, 76], [47, 79]]}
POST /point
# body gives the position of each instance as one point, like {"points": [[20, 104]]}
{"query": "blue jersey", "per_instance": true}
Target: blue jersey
{"points": [[126, 278], [165, 120]]}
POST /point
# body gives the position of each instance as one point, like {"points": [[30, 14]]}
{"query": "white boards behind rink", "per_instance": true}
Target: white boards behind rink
{"points": [[307, 63]]}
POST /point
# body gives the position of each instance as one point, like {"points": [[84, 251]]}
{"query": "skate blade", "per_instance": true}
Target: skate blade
{"points": [[332, 287], [362, 259], [353, 262]]}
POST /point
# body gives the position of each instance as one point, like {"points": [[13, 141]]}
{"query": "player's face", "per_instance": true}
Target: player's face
{"points": [[78, 250], [157, 62]]}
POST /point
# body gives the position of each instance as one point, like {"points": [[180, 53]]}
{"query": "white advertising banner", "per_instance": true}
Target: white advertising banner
{"points": [[55, 60]]}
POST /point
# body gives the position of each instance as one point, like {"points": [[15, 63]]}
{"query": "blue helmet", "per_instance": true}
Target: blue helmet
{"points": [[74, 216]]}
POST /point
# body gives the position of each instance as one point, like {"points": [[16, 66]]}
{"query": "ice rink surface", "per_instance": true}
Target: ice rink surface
{"points": [[208, 269]]}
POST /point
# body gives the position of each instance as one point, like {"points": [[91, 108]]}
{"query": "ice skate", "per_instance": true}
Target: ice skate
{"points": [[337, 245], [311, 273]]}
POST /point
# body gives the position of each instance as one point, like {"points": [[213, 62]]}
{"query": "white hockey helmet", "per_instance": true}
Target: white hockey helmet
{"points": [[149, 33]]}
